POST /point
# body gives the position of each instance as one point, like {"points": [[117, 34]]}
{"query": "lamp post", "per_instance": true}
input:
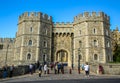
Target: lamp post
{"points": [[79, 60], [6, 54]]}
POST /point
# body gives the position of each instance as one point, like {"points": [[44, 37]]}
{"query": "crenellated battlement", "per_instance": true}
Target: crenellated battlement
{"points": [[34, 16], [92, 16], [63, 24], [7, 40]]}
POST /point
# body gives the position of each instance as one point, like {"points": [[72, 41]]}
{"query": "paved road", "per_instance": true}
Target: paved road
{"points": [[63, 78]]}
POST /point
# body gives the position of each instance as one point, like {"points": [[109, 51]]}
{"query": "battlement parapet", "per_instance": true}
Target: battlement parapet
{"points": [[34, 16], [92, 16], [63, 24], [7, 40]]}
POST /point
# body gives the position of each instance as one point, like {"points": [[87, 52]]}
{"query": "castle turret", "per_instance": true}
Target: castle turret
{"points": [[33, 39], [92, 38]]}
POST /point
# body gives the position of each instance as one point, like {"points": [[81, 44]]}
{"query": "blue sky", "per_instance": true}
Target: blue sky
{"points": [[60, 10]]}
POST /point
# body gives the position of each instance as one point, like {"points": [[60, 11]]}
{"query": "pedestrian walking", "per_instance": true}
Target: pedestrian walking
{"points": [[11, 70], [55, 68], [5, 73], [40, 70], [58, 67], [31, 68], [82, 66], [87, 69], [45, 69], [62, 68]]}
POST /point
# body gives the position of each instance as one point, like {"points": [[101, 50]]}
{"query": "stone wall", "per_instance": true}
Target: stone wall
{"points": [[18, 70], [6, 52], [108, 68]]}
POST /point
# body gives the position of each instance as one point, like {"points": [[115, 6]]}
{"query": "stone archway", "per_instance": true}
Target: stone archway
{"points": [[62, 56]]}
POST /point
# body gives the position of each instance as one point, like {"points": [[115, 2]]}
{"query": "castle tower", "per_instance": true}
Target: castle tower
{"points": [[33, 39], [92, 41]]}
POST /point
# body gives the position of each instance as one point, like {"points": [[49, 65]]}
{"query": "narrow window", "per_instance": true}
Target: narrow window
{"points": [[106, 32], [94, 31], [31, 29], [108, 44], [45, 44], [29, 56], [95, 42], [80, 32], [30, 42], [95, 57], [80, 43], [46, 31]]}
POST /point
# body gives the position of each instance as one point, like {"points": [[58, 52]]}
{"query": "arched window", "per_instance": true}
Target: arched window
{"points": [[29, 56], [95, 42], [30, 42], [95, 57]]}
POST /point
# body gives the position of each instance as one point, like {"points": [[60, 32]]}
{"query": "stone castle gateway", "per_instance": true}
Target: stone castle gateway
{"points": [[86, 39]]}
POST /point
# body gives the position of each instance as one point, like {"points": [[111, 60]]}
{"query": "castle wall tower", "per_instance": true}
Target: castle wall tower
{"points": [[33, 39], [92, 41]]}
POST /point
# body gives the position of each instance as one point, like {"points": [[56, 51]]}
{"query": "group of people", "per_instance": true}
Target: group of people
{"points": [[57, 68], [43, 67], [33, 67], [7, 71], [39, 66]]}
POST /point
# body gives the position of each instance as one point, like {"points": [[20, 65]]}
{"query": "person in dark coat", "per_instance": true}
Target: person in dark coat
{"points": [[5, 73], [40, 70], [62, 68], [11, 70], [59, 67]]}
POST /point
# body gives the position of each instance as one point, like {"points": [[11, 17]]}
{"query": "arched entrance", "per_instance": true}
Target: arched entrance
{"points": [[62, 56]]}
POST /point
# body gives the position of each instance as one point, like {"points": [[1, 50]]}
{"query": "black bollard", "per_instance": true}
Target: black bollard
{"points": [[48, 72], [70, 71]]}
